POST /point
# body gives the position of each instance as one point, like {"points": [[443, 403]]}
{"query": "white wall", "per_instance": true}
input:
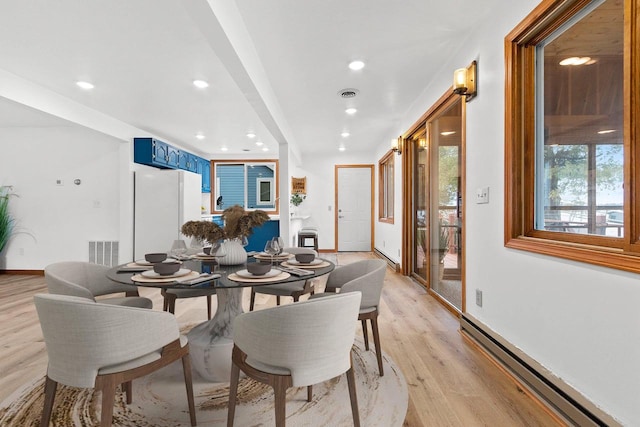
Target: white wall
{"points": [[580, 321], [320, 202], [55, 223]]}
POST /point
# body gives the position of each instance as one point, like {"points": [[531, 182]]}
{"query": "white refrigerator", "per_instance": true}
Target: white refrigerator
{"points": [[163, 201]]}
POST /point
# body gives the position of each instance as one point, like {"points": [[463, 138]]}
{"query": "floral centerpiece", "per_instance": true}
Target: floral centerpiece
{"points": [[238, 223]]}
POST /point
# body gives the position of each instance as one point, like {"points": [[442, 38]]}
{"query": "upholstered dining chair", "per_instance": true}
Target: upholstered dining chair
{"points": [[87, 280], [171, 295], [367, 277], [94, 345], [292, 289], [296, 345]]}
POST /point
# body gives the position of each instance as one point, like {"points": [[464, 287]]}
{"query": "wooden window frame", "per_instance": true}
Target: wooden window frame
{"points": [[276, 179], [383, 197], [519, 232]]}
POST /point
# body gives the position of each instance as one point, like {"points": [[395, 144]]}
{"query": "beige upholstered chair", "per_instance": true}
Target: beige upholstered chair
{"points": [[296, 345], [365, 276], [87, 280], [94, 345], [293, 289], [171, 295]]}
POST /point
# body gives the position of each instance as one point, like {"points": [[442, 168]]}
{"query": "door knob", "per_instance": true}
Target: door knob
{"points": [[340, 216]]}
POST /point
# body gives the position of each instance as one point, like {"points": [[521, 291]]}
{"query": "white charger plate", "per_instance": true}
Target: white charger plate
{"points": [[316, 261], [247, 275], [150, 274]]}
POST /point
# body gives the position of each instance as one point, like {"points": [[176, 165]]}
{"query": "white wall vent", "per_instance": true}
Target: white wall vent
{"points": [[103, 253]]}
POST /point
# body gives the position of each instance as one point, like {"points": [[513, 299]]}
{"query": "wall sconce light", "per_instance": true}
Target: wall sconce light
{"points": [[396, 145], [465, 81]]}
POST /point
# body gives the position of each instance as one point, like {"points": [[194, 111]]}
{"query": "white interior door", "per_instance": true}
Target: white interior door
{"points": [[354, 209]]}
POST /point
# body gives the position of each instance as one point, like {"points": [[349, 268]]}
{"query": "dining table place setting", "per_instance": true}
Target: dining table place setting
{"points": [[316, 263]]}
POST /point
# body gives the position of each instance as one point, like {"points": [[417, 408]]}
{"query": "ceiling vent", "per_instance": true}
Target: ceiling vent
{"points": [[348, 93]]}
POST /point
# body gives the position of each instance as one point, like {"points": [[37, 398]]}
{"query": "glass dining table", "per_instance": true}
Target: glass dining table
{"points": [[211, 342]]}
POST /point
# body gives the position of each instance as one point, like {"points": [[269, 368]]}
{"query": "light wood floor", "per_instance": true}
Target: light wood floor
{"points": [[450, 383]]}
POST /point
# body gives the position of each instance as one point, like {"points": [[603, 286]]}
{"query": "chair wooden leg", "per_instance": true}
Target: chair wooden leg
{"points": [[233, 391], [209, 307], [172, 306], [277, 299], [188, 382], [165, 302], [108, 398], [351, 381], [309, 393], [128, 391], [50, 387], [376, 341], [253, 299], [280, 392], [365, 334]]}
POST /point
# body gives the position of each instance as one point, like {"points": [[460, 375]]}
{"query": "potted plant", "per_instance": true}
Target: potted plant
{"points": [[238, 225], [6, 220], [296, 200], [443, 245]]}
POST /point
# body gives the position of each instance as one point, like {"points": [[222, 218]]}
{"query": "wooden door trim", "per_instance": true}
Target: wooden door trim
{"points": [[335, 204]]}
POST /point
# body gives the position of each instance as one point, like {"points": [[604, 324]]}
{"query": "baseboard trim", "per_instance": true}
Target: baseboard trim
{"points": [[394, 265], [24, 272], [560, 397]]}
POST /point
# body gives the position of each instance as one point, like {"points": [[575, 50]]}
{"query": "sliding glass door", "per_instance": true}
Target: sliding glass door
{"points": [[436, 154]]}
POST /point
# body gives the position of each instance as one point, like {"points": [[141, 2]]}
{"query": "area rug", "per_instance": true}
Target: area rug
{"points": [[160, 400]]}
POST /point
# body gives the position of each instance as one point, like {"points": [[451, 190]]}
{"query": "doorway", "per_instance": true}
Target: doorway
{"points": [[435, 149], [354, 208]]}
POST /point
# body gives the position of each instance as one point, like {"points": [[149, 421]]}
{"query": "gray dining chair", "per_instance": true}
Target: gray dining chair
{"points": [[88, 280], [296, 345], [292, 289], [367, 277], [171, 295], [95, 345]]}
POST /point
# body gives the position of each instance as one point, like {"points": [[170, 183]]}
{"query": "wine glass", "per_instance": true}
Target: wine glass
{"points": [[271, 248], [178, 249], [280, 242]]}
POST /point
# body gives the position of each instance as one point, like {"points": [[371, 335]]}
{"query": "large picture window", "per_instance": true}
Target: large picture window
{"points": [[572, 68], [251, 184]]}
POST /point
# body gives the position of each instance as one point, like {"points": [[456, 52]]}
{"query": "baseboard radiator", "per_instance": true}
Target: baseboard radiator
{"points": [[104, 252], [562, 399], [392, 264]]}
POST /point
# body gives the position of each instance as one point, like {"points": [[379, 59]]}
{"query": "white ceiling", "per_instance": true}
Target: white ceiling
{"points": [[274, 67]]}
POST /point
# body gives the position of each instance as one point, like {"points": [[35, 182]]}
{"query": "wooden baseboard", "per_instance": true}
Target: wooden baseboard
{"points": [[24, 272]]}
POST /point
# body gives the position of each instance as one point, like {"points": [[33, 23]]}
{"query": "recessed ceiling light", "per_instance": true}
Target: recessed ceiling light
{"points": [[251, 135], [356, 65], [200, 84], [199, 136], [265, 148], [345, 134], [341, 148], [606, 131], [259, 143], [447, 133], [224, 149], [350, 111], [85, 85]]}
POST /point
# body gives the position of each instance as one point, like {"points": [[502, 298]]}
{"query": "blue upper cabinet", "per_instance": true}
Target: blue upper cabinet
{"points": [[204, 169], [153, 152], [188, 161]]}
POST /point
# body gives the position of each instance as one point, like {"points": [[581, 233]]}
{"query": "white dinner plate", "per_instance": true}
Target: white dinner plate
{"points": [[150, 274], [283, 254], [316, 261], [247, 275]]}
